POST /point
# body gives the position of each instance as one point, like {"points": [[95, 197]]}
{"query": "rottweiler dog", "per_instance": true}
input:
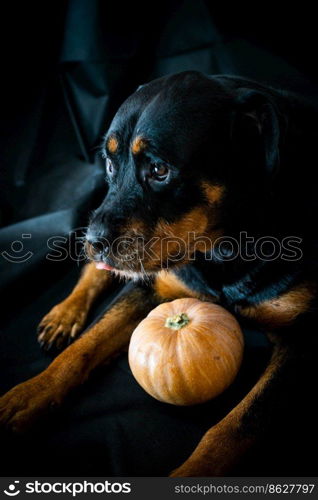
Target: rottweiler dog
{"points": [[210, 195]]}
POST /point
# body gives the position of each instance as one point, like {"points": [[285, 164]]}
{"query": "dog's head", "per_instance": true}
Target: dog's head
{"points": [[183, 155]]}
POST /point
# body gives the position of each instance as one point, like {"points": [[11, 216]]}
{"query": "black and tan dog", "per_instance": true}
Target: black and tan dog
{"points": [[193, 163]]}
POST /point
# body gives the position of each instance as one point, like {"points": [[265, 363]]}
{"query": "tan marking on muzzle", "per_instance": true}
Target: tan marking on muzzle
{"points": [[190, 232]]}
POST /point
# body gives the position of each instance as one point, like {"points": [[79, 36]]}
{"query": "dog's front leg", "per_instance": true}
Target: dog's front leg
{"points": [[25, 403], [67, 319], [224, 445]]}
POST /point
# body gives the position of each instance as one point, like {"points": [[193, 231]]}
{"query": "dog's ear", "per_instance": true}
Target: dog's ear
{"points": [[255, 131]]}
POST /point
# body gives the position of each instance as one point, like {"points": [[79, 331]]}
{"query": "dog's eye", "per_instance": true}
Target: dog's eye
{"points": [[109, 167], [159, 171]]}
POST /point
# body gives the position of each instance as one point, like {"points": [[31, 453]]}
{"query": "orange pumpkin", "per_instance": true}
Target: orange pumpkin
{"points": [[186, 351]]}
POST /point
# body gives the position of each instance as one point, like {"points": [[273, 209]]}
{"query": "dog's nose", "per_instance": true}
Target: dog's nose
{"points": [[99, 246]]}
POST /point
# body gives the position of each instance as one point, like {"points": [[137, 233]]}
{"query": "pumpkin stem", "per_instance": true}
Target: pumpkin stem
{"points": [[177, 322]]}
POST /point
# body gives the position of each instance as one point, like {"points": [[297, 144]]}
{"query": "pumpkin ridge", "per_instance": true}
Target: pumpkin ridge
{"points": [[181, 355], [166, 341], [234, 331], [166, 368], [194, 346]]}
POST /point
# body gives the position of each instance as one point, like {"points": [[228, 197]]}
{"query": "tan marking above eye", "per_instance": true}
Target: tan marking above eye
{"points": [[138, 145], [213, 192], [112, 144]]}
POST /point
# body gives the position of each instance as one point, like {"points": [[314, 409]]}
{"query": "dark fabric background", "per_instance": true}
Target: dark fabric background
{"points": [[66, 67]]}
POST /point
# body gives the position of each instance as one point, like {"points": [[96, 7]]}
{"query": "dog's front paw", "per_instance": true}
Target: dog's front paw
{"points": [[23, 405], [62, 324]]}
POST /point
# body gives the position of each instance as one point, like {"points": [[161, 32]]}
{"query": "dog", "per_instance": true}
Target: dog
{"points": [[193, 162]]}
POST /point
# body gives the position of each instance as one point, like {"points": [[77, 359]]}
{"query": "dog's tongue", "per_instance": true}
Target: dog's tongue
{"points": [[102, 265]]}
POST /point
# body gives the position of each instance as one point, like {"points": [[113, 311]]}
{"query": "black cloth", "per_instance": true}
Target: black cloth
{"points": [[68, 68]]}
